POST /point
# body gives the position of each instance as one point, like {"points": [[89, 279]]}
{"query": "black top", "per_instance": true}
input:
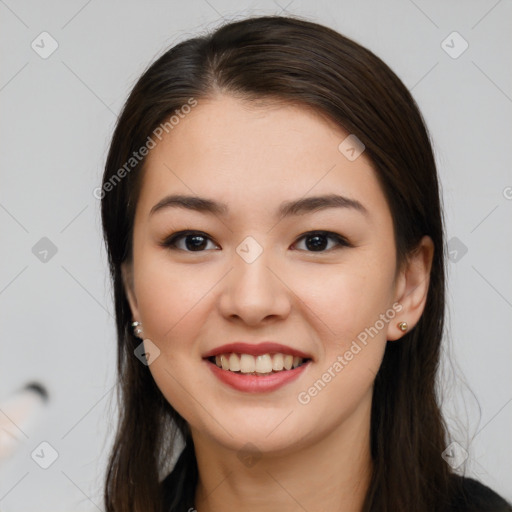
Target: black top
{"points": [[472, 495], [476, 497]]}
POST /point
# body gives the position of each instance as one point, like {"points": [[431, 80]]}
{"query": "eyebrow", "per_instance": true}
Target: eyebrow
{"points": [[286, 209]]}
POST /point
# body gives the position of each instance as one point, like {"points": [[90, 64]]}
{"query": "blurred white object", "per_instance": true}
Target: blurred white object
{"points": [[18, 416]]}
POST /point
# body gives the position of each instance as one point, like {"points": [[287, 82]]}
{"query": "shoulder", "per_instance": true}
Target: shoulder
{"points": [[473, 496]]}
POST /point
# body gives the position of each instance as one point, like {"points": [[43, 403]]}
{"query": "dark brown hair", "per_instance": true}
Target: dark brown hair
{"points": [[307, 64]]}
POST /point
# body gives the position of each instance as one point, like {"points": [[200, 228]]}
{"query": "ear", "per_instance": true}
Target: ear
{"points": [[127, 275], [412, 287]]}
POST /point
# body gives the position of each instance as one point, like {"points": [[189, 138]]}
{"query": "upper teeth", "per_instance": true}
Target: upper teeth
{"points": [[246, 363]]}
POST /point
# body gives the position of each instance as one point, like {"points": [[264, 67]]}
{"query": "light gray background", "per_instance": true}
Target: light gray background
{"points": [[56, 120]]}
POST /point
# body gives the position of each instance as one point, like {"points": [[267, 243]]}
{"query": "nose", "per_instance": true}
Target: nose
{"points": [[255, 291]]}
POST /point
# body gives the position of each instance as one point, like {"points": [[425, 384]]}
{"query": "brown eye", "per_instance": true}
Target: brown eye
{"points": [[317, 241], [194, 241]]}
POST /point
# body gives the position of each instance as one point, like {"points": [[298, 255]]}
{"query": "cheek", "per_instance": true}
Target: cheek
{"points": [[169, 295], [174, 302], [347, 311], [346, 299]]}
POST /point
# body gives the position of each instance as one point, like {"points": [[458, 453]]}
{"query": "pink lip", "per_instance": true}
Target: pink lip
{"points": [[254, 383], [255, 350]]}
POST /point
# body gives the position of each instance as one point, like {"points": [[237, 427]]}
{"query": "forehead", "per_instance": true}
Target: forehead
{"points": [[233, 129], [252, 153]]}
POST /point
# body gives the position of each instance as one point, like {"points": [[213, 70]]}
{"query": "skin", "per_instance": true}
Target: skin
{"points": [[251, 156]]}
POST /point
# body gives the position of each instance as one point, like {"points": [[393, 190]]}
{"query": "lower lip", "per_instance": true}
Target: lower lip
{"points": [[254, 383]]}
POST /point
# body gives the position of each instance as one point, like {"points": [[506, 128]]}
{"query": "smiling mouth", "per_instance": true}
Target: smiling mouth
{"points": [[266, 364]]}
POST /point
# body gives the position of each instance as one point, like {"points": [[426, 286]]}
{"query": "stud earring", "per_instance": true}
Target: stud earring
{"points": [[403, 326], [137, 328]]}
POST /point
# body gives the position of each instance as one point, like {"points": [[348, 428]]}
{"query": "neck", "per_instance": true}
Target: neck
{"points": [[327, 473]]}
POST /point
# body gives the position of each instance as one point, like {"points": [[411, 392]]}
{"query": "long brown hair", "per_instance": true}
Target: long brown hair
{"points": [[307, 64]]}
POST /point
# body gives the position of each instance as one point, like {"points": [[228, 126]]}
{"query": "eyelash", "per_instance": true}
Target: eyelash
{"points": [[170, 242]]}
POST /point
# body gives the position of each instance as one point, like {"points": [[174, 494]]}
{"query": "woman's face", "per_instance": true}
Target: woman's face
{"points": [[253, 275]]}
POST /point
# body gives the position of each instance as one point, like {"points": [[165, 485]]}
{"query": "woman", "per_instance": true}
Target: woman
{"points": [[272, 216]]}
